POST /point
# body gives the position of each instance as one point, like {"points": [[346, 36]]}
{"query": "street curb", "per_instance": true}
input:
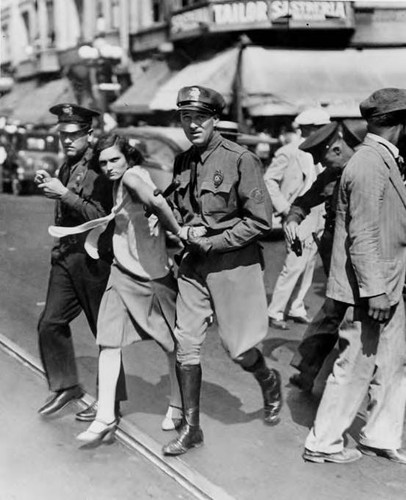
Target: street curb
{"points": [[134, 438]]}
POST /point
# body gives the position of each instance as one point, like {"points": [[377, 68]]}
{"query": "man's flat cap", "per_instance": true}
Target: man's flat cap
{"points": [[199, 98], [382, 101], [72, 118], [312, 116]]}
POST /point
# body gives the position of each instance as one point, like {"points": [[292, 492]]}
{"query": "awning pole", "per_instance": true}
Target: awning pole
{"points": [[236, 104]]}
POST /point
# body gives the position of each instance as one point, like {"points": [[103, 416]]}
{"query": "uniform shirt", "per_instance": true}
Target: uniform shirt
{"points": [[222, 187], [89, 196]]}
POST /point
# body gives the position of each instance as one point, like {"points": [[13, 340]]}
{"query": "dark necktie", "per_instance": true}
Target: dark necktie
{"points": [[401, 165], [194, 192]]}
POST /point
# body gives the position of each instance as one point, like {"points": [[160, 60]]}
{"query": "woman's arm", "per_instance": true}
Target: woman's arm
{"points": [[155, 204]]}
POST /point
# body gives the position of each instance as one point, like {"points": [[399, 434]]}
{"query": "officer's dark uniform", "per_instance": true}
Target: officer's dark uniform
{"points": [[76, 281], [220, 187], [321, 335]]}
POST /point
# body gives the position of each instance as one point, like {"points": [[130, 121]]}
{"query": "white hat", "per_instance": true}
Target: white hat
{"points": [[313, 116]]}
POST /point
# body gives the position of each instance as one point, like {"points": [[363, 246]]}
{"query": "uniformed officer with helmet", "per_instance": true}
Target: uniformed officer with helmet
{"points": [[225, 208], [76, 281]]}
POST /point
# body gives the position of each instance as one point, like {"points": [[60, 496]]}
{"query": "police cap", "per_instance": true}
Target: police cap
{"points": [[382, 101], [321, 138], [351, 133], [197, 98], [72, 118]]}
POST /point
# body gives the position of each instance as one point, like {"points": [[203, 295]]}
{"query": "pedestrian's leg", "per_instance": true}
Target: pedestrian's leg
{"points": [[297, 307], [90, 282], [240, 299], [174, 414], [109, 369], [347, 384], [387, 392], [193, 313], [318, 341], [191, 435], [269, 380], [55, 340], [105, 422], [292, 269]]}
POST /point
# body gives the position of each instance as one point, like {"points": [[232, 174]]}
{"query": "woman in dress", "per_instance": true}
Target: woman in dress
{"points": [[139, 301]]}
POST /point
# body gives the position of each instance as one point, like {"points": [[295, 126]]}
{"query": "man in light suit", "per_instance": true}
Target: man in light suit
{"points": [[290, 174], [366, 280]]}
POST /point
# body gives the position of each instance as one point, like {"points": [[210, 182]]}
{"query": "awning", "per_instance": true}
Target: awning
{"points": [[284, 82], [10, 100], [217, 72], [33, 107], [147, 77]]}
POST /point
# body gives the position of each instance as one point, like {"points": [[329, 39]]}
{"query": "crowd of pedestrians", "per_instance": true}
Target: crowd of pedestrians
{"points": [[339, 190]]}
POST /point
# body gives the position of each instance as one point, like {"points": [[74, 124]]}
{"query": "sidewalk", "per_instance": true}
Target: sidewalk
{"points": [[40, 459], [242, 458]]}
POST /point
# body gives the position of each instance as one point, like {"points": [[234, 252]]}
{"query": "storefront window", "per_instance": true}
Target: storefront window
{"points": [[115, 14], [50, 23], [157, 11]]}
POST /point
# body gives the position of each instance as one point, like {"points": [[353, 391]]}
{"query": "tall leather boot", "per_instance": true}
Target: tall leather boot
{"points": [[269, 380], [190, 434]]}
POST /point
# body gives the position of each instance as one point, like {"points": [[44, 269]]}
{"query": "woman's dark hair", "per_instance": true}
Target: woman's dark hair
{"points": [[132, 154]]}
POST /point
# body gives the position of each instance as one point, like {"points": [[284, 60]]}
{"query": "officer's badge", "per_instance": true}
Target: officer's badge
{"points": [[194, 93], [218, 178], [67, 110]]}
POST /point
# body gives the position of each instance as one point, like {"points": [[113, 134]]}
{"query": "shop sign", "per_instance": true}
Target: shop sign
{"points": [[261, 13], [190, 20], [241, 13], [302, 10]]}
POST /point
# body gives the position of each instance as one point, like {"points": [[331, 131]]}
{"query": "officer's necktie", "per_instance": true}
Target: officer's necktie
{"points": [[194, 192], [401, 165]]}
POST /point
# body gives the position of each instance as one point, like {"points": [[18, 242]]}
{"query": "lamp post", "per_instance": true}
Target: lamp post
{"points": [[100, 57]]}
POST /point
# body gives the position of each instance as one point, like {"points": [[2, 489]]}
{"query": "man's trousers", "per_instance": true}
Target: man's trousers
{"points": [[371, 361], [76, 283]]}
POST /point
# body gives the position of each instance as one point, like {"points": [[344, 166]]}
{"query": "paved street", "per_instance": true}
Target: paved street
{"points": [[241, 456], [41, 460]]}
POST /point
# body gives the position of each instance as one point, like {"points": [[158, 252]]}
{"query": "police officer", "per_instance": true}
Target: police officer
{"points": [[332, 146], [76, 281], [224, 206]]}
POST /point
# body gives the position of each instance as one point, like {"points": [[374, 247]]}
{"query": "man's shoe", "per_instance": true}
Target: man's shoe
{"points": [[345, 456], [189, 437], [397, 456], [89, 413], [60, 400], [279, 324], [304, 320], [302, 382]]}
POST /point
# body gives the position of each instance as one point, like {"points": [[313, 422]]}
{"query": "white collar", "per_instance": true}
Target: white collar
{"points": [[389, 145]]}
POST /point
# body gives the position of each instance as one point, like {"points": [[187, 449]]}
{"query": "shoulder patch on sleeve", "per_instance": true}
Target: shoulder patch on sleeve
{"points": [[257, 195]]}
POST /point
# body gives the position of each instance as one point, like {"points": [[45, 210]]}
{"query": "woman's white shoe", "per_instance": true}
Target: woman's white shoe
{"points": [[172, 419], [98, 432]]}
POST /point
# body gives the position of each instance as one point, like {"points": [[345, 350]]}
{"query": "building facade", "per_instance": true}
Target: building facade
{"points": [[122, 55]]}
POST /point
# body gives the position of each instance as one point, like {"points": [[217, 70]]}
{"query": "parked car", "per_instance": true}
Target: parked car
{"points": [[159, 145], [30, 151]]}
